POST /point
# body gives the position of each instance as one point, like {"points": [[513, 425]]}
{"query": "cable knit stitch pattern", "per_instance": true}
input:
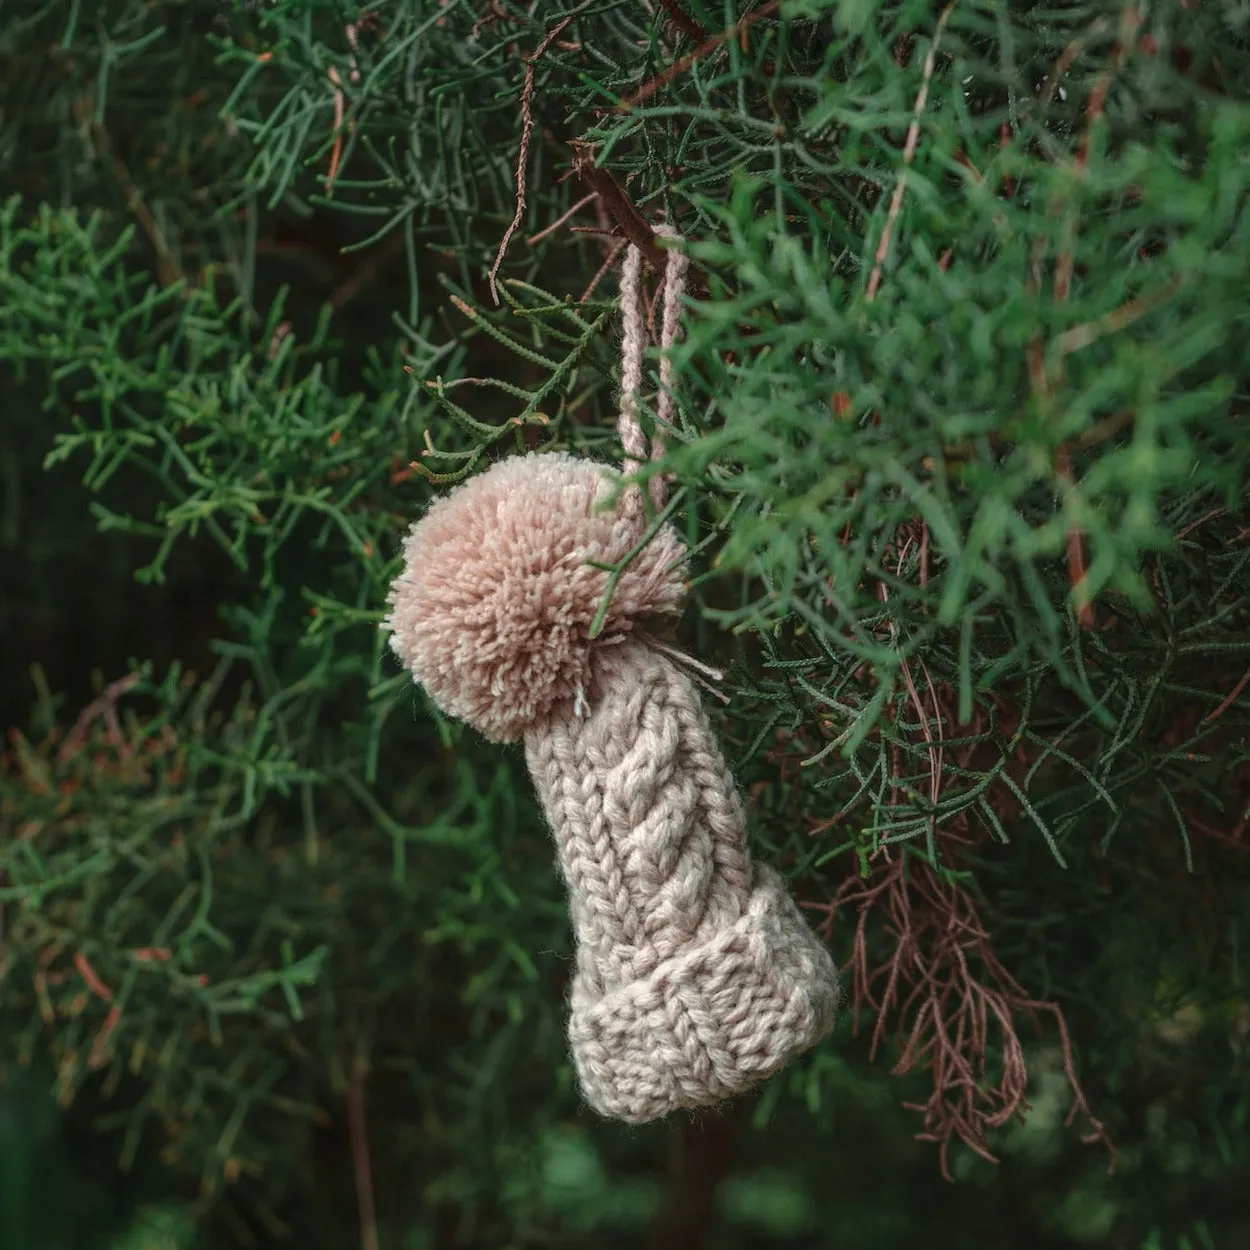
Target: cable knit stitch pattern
{"points": [[696, 975]]}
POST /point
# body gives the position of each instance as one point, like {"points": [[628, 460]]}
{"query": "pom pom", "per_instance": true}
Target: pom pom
{"points": [[493, 609]]}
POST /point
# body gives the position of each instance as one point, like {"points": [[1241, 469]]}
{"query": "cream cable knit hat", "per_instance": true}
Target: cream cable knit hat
{"points": [[696, 975]]}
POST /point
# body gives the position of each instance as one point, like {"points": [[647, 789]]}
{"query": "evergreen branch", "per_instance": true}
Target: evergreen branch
{"points": [[909, 154], [680, 67], [629, 221], [502, 337], [681, 20], [1082, 336], [1078, 560]]}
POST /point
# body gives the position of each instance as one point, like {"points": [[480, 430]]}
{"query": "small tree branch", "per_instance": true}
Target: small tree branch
{"points": [[527, 133], [358, 1132], [909, 155], [620, 208], [624, 215], [682, 20], [678, 68]]}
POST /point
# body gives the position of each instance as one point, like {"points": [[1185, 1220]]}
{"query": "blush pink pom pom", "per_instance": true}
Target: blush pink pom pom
{"points": [[493, 609]]}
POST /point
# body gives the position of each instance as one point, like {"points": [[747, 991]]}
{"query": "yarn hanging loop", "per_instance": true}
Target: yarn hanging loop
{"points": [[633, 354], [696, 975]]}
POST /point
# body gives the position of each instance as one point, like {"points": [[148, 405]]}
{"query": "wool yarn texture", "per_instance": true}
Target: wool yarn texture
{"points": [[695, 975]]}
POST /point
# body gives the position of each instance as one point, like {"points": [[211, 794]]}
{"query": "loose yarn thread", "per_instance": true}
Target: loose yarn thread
{"points": [[695, 974]]}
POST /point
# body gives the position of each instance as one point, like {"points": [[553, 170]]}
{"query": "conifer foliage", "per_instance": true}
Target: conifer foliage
{"points": [[959, 448]]}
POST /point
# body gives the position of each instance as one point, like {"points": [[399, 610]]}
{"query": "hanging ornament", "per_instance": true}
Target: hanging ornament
{"points": [[696, 974]]}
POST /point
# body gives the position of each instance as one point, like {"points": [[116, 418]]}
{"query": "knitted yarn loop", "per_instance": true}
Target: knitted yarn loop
{"points": [[695, 974]]}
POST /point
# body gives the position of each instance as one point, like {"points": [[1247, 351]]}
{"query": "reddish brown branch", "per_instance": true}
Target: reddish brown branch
{"points": [[104, 706], [619, 209], [1233, 696], [340, 99], [909, 154], [1078, 559], [568, 213], [681, 20], [340, 113], [1088, 333], [945, 991], [1069, 57], [101, 1052], [1065, 268], [678, 68], [358, 1133], [88, 974], [608, 262]]}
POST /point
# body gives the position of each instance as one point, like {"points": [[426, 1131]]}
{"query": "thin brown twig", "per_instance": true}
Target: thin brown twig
{"points": [[1233, 696], [491, 17], [678, 68], [340, 99], [1095, 110], [909, 154], [358, 1133], [1069, 56], [559, 221], [100, 1052], [933, 746], [167, 269], [1105, 429], [1202, 520], [682, 20], [105, 705], [609, 261], [1097, 433], [943, 1008], [89, 975], [935, 765], [527, 132], [340, 113], [1078, 560], [1004, 142], [602, 217], [619, 207], [1088, 333], [1065, 268], [619, 217]]}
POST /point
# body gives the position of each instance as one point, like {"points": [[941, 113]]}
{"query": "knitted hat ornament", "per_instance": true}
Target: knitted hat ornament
{"points": [[695, 974]]}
